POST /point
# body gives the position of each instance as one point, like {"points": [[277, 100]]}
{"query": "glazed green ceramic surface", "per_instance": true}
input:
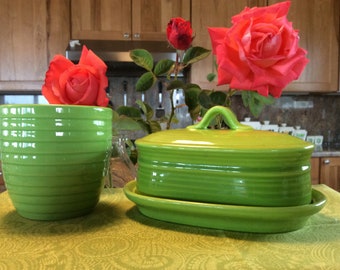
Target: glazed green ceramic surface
{"points": [[237, 166], [227, 217], [54, 158]]}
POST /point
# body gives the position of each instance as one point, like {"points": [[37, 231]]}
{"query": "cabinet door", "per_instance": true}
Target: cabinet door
{"points": [[330, 172], [23, 36], [318, 25], [315, 170], [121, 19], [204, 15], [150, 17], [101, 19], [31, 32], [58, 27]]}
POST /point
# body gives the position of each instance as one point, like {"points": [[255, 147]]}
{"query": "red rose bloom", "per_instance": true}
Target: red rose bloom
{"points": [[76, 84], [179, 33], [260, 51]]}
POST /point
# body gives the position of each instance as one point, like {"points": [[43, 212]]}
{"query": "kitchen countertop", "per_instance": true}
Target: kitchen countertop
{"points": [[117, 236], [326, 152]]}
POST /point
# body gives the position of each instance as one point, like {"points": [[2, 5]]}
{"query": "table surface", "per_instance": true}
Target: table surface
{"points": [[116, 236]]}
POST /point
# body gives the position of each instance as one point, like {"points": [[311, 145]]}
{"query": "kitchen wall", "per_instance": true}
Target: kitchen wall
{"points": [[318, 114]]}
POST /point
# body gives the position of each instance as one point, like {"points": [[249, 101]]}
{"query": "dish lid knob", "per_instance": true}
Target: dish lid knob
{"points": [[228, 117]]}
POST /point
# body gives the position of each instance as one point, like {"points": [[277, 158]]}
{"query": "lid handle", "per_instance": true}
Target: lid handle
{"points": [[228, 117]]}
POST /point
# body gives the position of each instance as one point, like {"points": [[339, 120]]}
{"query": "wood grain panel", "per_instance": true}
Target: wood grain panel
{"points": [[318, 25]]}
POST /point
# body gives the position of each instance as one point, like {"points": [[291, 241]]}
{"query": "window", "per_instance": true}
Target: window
{"points": [[23, 99]]}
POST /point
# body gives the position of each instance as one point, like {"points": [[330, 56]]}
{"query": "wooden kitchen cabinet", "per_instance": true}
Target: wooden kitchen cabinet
{"points": [[315, 170], [32, 32], [316, 20], [330, 172], [326, 170], [318, 25], [125, 19]]}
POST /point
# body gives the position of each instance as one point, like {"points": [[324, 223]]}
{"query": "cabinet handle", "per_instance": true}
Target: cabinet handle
{"points": [[136, 35], [126, 35], [326, 161]]}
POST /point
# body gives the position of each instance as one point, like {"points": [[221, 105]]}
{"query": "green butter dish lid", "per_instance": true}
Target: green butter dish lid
{"points": [[238, 137]]}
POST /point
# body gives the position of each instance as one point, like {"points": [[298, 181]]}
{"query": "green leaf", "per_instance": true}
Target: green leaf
{"points": [[191, 98], [146, 109], [145, 126], [155, 126], [204, 99], [245, 98], [256, 107], [218, 98], [175, 84], [191, 86], [211, 77], [266, 100], [208, 98], [145, 82], [129, 111], [115, 115], [149, 112], [125, 123], [163, 67], [141, 105], [256, 102], [142, 58], [195, 54], [191, 93], [195, 112]]}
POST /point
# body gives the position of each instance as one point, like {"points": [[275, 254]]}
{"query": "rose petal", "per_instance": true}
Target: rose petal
{"points": [[89, 58], [217, 35], [51, 87], [102, 99], [76, 86], [296, 63], [91, 91], [80, 86]]}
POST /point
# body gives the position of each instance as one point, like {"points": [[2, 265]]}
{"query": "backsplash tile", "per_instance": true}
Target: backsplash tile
{"points": [[318, 114]]}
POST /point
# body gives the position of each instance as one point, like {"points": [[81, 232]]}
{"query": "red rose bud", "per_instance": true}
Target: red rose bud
{"points": [[179, 33], [259, 51], [81, 84]]}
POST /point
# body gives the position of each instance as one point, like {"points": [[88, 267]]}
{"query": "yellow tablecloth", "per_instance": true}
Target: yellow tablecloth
{"points": [[117, 236]]}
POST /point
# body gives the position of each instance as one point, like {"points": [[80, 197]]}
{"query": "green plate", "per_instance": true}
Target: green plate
{"points": [[226, 217]]}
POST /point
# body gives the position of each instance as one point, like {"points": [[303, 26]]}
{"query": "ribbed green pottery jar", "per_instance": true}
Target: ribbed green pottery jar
{"points": [[54, 158], [239, 165]]}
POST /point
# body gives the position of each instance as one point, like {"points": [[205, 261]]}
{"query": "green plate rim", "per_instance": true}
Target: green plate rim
{"points": [[226, 217]]}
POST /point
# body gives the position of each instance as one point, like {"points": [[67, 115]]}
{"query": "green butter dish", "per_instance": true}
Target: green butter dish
{"points": [[255, 219], [240, 165]]}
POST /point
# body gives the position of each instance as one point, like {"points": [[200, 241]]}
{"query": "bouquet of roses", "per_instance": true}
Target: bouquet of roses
{"points": [[258, 56]]}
